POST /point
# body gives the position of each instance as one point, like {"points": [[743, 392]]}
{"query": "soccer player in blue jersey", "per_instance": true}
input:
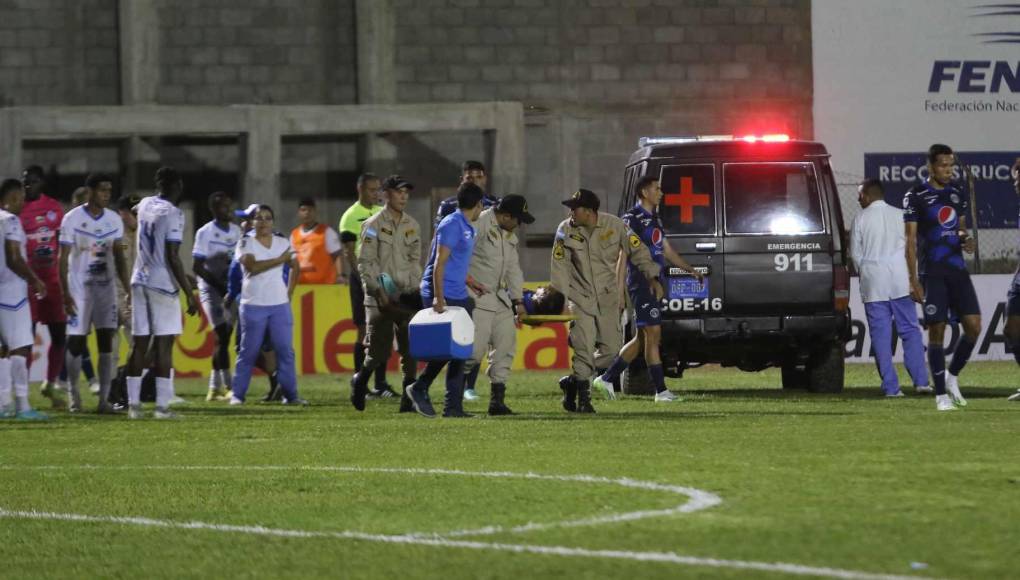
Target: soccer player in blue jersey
{"points": [[445, 283], [935, 216], [643, 219]]}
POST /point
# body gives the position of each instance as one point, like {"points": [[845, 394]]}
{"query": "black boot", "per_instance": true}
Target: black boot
{"points": [[584, 397], [569, 388], [359, 390], [405, 402], [275, 392], [496, 405], [453, 403]]}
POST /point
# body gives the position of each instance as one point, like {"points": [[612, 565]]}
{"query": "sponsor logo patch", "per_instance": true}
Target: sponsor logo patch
{"points": [[947, 217]]}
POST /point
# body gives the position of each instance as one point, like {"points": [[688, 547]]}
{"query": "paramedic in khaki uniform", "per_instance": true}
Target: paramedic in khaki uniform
{"points": [[496, 265], [390, 247], [583, 268]]}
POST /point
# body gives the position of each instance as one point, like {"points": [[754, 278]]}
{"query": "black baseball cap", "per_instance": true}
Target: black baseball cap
{"points": [[583, 198], [517, 207], [396, 182]]}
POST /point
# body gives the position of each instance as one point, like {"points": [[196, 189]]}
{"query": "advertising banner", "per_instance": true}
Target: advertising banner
{"points": [[991, 345], [892, 78]]}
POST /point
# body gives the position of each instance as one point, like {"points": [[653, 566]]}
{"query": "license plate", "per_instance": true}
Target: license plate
{"points": [[687, 287]]}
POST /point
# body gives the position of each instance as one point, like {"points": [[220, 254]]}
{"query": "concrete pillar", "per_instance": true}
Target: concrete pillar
{"points": [[10, 143], [138, 35], [374, 22], [508, 161], [263, 154]]}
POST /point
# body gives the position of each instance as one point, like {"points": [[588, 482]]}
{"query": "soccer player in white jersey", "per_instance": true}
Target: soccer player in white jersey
{"points": [[91, 260], [155, 281], [15, 317], [214, 248]]}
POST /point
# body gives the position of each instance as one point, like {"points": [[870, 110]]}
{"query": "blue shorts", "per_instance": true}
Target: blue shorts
{"points": [[647, 310], [947, 297], [1013, 298]]}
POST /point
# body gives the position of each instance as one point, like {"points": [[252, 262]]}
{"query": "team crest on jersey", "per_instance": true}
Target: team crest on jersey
{"points": [[947, 217], [930, 309], [51, 215], [656, 236], [954, 198]]}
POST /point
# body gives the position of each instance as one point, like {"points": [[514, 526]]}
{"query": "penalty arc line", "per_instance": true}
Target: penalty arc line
{"points": [[661, 557], [697, 499]]}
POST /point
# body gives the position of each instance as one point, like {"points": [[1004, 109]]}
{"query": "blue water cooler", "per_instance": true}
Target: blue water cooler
{"points": [[442, 336]]}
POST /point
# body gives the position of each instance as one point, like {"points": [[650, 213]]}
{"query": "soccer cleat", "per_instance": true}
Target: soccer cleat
{"points": [[299, 402], [457, 414], [666, 396], [569, 388], [164, 413], [1014, 397], [31, 415], [953, 388], [217, 395], [74, 408], [105, 408], [923, 389], [895, 395], [383, 392], [7, 412], [234, 401], [358, 393], [605, 386], [176, 400], [53, 392], [94, 387], [469, 395], [135, 412], [944, 403], [421, 402]]}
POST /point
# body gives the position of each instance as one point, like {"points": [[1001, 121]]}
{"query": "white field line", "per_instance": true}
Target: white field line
{"points": [[660, 557], [697, 499]]}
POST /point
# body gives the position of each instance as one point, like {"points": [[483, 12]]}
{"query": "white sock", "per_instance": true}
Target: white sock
{"points": [[134, 389], [73, 364], [215, 382], [164, 392], [107, 363], [19, 376], [6, 394]]}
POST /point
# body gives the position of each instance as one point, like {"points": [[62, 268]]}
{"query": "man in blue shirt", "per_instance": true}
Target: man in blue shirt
{"points": [[445, 283], [935, 215], [643, 219]]}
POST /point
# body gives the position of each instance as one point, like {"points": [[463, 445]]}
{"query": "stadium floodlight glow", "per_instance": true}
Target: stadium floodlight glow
{"points": [[770, 138]]}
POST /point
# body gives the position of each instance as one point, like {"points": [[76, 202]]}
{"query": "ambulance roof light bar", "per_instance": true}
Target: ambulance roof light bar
{"points": [[770, 138]]}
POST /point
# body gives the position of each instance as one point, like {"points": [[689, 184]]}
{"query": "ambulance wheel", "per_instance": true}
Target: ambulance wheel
{"points": [[635, 380], [794, 378], [826, 369]]}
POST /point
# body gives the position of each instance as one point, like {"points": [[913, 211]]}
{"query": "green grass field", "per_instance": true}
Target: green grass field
{"points": [[855, 483]]}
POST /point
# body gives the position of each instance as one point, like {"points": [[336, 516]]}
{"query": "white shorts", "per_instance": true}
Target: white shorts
{"points": [[16, 327], [95, 306], [154, 313], [215, 311]]}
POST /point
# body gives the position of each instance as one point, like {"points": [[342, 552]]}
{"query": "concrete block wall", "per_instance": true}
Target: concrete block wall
{"points": [[58, 52], [616, 69], [257, 51]]}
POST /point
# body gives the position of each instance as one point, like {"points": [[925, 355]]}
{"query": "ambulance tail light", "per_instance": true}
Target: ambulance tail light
{"points": [[840, 288]]}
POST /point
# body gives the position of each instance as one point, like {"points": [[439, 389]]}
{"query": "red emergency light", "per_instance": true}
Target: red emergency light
{"points": [[773, 138]]}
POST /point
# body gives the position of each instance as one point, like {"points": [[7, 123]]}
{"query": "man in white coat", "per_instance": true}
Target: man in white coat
{"points": [[877, 242]]}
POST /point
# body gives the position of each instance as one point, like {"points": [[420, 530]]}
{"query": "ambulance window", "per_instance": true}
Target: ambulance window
{"points": [[688, 200], [772, 198]]}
